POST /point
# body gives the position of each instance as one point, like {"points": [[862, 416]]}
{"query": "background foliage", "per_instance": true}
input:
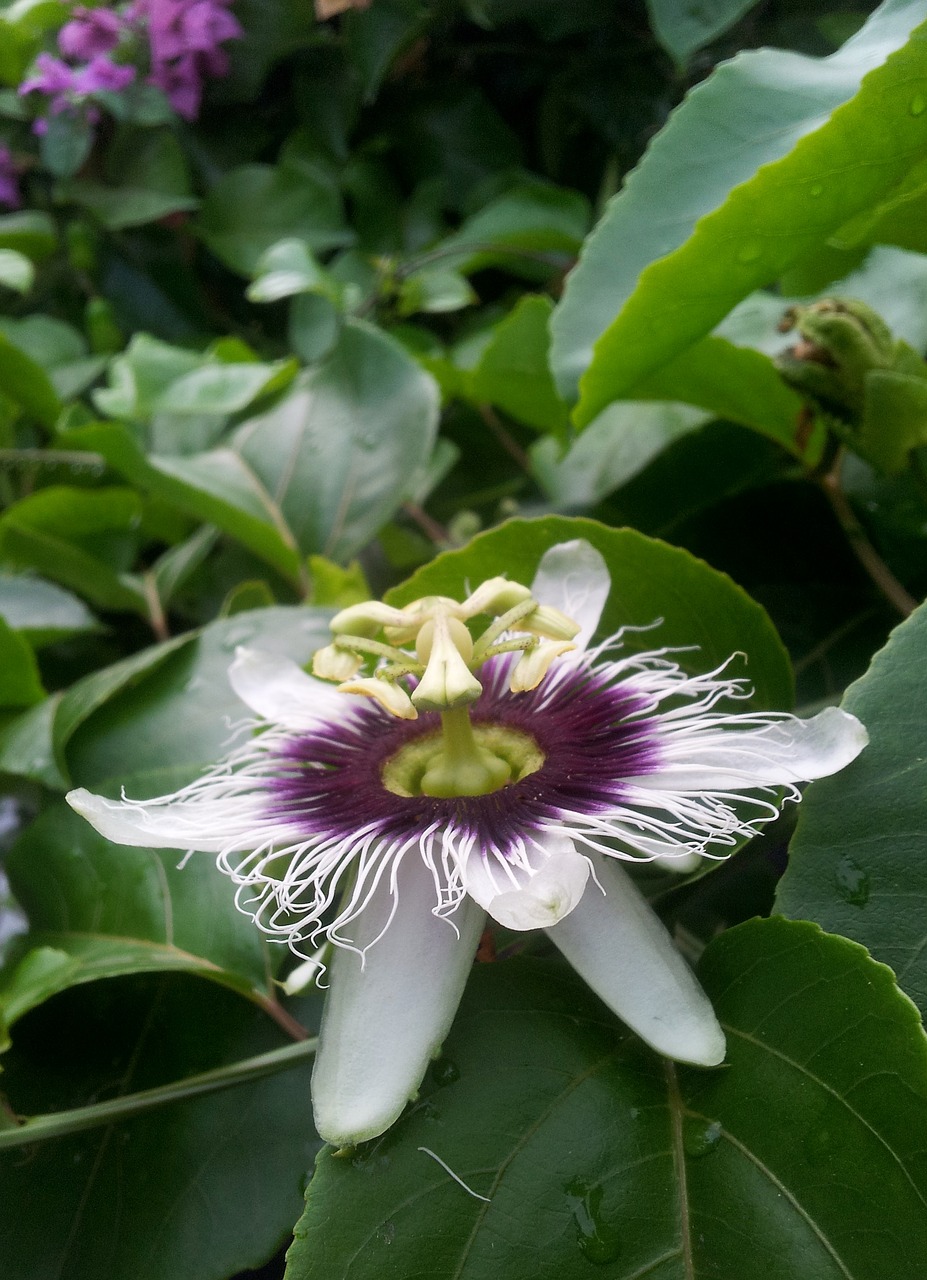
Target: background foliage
{"points": [[411, 269]]}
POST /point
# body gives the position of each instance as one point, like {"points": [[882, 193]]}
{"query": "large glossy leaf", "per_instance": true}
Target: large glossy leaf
{"points": [[650, 580], [585, 1154], [857, 859], [730, 382], [96, 910], [216, 486], [197, 1190], [337, 453], [715, 211]]}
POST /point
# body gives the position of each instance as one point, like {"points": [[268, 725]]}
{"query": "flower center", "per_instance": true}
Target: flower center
{"points": [[462, 759], [431, 641]]}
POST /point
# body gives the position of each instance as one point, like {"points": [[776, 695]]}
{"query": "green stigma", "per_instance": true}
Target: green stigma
{"points": [[462, 759]]}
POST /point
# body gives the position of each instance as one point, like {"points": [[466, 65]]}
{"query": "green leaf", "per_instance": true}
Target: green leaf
{"points": [[652, 280], [27, 384], [313, 327], [20, 683], [894, 418], [730, 382], [254, 206], [126, 206], [616, 447], [252, 594], [153, 377], [162, 716], [16, 271], [175, 566], [91, 693], [435, 291], [375, 36], [335, 586], [216, 486], [650, 580], [585, 1154], [97, 911], [57, 348], [28, 231], [26, 748], [66, 143], [42, 612], [531, 219], [224, 388], [856, 862], [683, 28], [159, 1197], [56, 532], [289, 267], [513, 372], [337, 452], [147, 174]]}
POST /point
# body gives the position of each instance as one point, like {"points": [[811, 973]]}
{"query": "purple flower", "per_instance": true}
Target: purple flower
{"points": [[180, 82], [90, 33], [185, 38], [506, 772], [69, 86], [52, 77], [9, 180], [101, 75]]}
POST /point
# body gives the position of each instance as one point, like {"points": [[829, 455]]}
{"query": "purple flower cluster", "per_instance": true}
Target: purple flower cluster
{"points": [[9, 180], [179, 39], [185, 38], [69, 87]]}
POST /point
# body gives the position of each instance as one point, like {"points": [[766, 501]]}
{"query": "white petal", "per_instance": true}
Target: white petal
{"points": [[778, 754], [574, 578], [207, 825], [520, 897], [385, 1021], [281, 692], [615, 941]]}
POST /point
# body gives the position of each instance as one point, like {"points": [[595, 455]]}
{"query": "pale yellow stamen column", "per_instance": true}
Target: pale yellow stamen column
{"points": [[454, 762]]}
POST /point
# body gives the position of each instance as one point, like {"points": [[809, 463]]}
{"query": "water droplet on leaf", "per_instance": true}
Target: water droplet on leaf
{"points": [[816, 189], [701, 1137], [598, 1240], [444, 1071], [918, 105], [852, 882], [749, 252]]}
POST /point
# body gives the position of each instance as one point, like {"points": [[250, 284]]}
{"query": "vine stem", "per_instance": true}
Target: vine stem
{"points": [[865, 552], [504, 436], [59, 1124]]}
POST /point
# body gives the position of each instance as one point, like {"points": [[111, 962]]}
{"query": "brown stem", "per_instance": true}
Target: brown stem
{"points": [[156, 616], [284, 1019], [428, 525], [865, 552], [505, 438]]}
